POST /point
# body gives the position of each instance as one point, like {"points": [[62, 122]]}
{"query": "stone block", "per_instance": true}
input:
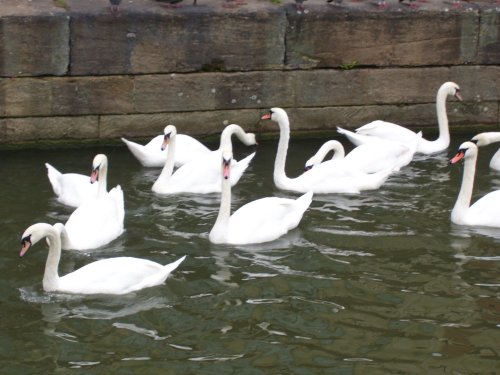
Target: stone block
{"points": [[489, 38], [34, 45], [59, 96], [152, 41], [478, 83], [343, 39], [28, 129], [331, 87], [212, 91]]}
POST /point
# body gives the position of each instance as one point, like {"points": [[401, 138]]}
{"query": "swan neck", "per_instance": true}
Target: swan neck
{"points": [[444, 132], [220, 226], [227, 133], [168, 167], [336, 147], [465, 194], [102, 188], [51, 276], [280, 161]]}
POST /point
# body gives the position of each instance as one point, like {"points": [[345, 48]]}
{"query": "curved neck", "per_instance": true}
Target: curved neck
{"points": [[279, 175], [335, 146], [102, 188], [225, 137], [51, 276], [168, 168], [465, 194], [220, 226], [444, 132], [493, 137]]}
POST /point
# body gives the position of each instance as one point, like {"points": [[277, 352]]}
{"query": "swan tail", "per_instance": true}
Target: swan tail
{"points": [[137, 150], [54, 176], [172, 266], [246, 161], [157, 278], [377, 179], [242, 165], [304, 201], [354, 138]]}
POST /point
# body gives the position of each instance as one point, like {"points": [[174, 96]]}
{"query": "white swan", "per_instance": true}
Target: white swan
{"points": [[119, 275], [201, 175], [369, 157], [389, 131], [97, 222], [323, 178], [262, 220], [484, 139], [151, 154], [485, 211], [71, 189]]}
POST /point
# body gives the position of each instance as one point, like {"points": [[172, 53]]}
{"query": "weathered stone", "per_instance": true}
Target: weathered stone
{"points": [[48, 128], [34, 46], [67, 96], [204, 67], [489, 41], [211, 91], [196, 123], [334, 38], [478, 83], [328, 87], [153, 41], [3, 127]]}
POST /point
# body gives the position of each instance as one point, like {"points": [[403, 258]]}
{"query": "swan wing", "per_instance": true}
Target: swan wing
{"points": [[188, 148], [98, 222], [379, 155], [387, 130], [266, 219], [71, 189], [495, 161], [202, 175], [485, 211], [338, 176], [116, 276], [355, 138]]}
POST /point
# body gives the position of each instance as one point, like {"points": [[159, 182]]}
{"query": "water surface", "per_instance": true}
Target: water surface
{"points": [[376, 283]]}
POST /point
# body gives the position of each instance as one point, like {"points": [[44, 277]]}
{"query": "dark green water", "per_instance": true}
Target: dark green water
{"points": [[378, 283]]}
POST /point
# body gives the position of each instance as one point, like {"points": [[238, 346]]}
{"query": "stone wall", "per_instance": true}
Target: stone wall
{"points": [[80, 72]]}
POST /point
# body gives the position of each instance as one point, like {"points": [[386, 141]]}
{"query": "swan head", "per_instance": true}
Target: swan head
{"points": [[227, 157], [311, 163], [451, 89], [275, 114], [482, 139], [249, 139], [32, 235], [168, 133], [466, 151], [99, 163]]}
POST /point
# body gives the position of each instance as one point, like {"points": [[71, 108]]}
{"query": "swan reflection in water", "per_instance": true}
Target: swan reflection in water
{"points": [[263, 254]]}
